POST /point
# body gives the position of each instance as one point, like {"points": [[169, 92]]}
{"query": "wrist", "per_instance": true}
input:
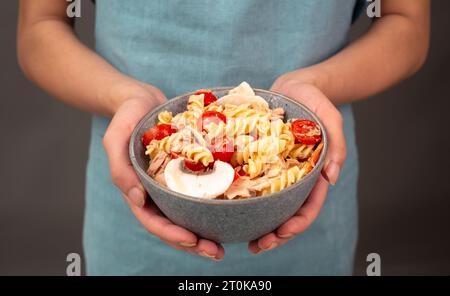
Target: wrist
{"points": [[127, 90], [312, 75]]}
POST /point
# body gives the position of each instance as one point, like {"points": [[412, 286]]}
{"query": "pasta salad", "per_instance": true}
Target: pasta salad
{"points": [[233, 147]]}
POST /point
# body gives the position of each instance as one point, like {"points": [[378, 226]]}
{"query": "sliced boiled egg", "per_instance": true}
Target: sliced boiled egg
{"points": [[209, 184]]}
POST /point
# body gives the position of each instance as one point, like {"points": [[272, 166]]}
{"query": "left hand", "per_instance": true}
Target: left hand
{"points": [[309, 95]]}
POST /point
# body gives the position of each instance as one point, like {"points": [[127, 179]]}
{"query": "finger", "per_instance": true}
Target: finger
{"points": [[296, 224], [307, 213], [332, 120], [267, 242], [209, 249], [253, 247], [283, 83], [220, 252], [152, 219], [178, 247], [116, 142], [200, 250]]}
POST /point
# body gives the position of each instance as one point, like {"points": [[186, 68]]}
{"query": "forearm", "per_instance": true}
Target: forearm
{"points": [[394, 48], [52, 56]]}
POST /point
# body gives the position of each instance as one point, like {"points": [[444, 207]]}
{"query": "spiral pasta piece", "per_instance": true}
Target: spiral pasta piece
{"points": [[254, 168], [267, 149], [214, 107], [214, 130], [241, 141], [301, 151], [243, 110], [152, 149], [173, 143], [167, 144], [285, 179], [165, 117], [197, 153], [241, 126], [289, 140], [187, 118], [276, 127], [196, 104]]}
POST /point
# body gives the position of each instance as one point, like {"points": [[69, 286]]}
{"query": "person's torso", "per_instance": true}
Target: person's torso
{"points": [[182, 45]]}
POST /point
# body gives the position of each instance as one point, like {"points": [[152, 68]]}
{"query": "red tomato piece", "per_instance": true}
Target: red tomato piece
{"points": [[210, 117], [208, 96], [306, 132], [242, 173], [222, 149], [157, 132], [194, 166]]}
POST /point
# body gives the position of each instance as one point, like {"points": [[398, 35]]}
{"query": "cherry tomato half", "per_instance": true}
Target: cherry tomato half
{"points": [[306, 132], [222, 149], [210, 117], [208, 96], [194, 166], [157, 132], [242, 173]]}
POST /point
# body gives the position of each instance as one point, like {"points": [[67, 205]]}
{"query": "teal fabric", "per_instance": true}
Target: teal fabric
{"points": [[180, 46]]}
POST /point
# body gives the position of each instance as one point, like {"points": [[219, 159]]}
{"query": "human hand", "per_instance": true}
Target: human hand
{"points": [[314, 99], [116, 142]]}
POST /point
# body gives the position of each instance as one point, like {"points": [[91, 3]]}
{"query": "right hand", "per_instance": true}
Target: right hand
{"points": [[116, 142]]}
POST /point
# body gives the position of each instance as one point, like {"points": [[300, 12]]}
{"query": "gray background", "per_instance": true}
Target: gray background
{"points": [[404, 192]]}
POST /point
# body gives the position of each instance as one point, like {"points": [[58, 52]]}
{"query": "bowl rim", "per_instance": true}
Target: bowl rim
{"points": [[227, 202]]}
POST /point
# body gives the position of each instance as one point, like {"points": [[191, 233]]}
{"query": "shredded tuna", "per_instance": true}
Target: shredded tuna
{"points": [[246, 187], [156, 163], [160, 179], [277, 113], [290, 162]]}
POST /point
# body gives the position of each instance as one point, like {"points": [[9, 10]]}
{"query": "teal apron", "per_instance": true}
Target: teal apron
{"points": [[180, 46]]}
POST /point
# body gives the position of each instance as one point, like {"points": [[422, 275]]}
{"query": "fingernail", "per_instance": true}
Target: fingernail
{"points": [[257, 252], [273, 245], [136, 196], [186, 244], [204, 254], [332, 172], [285, 235]]}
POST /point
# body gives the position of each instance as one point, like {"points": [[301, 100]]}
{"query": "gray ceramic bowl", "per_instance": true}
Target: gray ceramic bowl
{"points": [[226, 221]]}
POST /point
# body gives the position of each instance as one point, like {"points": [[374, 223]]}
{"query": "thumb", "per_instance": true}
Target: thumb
{"points": [[331, 118], [116, 141], [333, 122]]}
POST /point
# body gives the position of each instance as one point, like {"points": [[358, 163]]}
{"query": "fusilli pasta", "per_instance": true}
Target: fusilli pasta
{"points": [[165, 117]]}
